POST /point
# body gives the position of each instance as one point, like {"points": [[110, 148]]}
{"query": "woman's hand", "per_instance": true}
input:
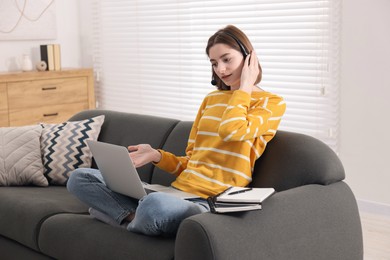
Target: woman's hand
{"points": [[249, 73], [142, 154]]}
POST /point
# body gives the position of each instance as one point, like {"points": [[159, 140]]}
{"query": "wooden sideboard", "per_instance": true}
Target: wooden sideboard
{"points": [[28, 98]]}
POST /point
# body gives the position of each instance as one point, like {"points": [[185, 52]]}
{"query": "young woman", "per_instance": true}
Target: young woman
{"points": [[231, 130]]}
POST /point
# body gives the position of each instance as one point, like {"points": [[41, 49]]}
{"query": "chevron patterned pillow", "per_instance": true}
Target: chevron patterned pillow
{"points": [[64, 149]]}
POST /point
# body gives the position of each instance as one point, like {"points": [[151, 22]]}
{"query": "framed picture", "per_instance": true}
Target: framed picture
{"points": [[27, 20]]}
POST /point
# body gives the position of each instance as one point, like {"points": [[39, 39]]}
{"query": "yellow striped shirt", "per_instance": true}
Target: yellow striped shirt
{"points": [[230, 132]]}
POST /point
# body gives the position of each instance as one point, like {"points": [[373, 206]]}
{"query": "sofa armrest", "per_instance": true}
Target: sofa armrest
{"points": [[308, 222], [293, 160]]}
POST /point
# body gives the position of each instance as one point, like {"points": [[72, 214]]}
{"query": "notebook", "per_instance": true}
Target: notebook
{"points": [[120, 174], [245, 195], [239, 199]]}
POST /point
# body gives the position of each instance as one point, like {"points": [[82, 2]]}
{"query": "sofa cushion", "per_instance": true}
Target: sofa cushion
{"points": [[23, 209], [130, 129], [64, 148], [97, 240], [20, 156], [12, 250]]}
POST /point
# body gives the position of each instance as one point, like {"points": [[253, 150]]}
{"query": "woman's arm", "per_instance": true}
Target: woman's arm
{"points": [[143, 153], [242, 122], [249, 72], [176, 164]]}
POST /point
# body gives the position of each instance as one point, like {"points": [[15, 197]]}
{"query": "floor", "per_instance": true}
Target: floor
{"points": [[376, 236]]}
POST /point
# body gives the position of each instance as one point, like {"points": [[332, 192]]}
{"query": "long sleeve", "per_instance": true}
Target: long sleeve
{"points": [[246, 120], [176, 164]]}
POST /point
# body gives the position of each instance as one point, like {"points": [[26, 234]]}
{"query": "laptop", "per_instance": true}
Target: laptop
{"points": [[120, 174]]}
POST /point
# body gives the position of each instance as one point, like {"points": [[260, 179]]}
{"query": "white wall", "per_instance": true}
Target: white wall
{"points": [[67, 35], [365, 98]]}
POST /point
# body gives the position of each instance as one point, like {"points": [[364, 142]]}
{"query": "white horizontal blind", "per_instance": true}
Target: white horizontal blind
{"points": [[150, 56]]}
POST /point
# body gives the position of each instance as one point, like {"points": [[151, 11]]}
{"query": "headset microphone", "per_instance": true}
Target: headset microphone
{"points": [[213, 82]]}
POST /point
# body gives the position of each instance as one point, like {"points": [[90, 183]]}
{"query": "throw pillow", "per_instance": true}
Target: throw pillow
{"points": [[20, 156], [64, 148]]}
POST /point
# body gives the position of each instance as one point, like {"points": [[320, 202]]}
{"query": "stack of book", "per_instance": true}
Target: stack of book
{"points": [[239, 199], [51, 54]]}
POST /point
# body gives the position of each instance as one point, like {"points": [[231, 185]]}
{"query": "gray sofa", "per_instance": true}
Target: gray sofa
{"points": [[313, 215]]}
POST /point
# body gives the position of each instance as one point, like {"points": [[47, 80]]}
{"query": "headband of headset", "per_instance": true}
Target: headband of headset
{"points": [[243, 50]]}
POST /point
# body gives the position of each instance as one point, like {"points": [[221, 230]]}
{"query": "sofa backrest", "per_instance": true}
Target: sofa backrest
{"points": [[176, 143], [130, 129], [290, 159]]}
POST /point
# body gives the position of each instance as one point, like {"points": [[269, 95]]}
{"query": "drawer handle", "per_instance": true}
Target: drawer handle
{"points": [[49, 88], [53, 114]]}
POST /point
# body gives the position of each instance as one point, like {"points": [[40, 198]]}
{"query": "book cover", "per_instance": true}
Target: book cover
{"points": [[246, 195], [44, 56], [50, 57], [239, 199], [47, 55], [223, 207], [57, 56]]}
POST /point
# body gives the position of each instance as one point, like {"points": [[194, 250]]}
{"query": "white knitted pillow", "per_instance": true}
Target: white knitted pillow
{"points": [[20, 156]]}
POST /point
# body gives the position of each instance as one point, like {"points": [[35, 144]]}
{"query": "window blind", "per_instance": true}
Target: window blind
{"points": [[149, 56]]}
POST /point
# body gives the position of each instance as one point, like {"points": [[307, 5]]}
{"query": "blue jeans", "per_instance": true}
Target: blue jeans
{"points": [[155, 214]]}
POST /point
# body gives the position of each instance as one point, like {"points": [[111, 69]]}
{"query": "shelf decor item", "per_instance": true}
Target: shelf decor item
{"points": [[41, 65], [26, 63], [51, 54]]}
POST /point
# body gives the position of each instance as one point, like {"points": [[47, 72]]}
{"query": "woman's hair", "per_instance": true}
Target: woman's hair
{"points": [[229, 36]]}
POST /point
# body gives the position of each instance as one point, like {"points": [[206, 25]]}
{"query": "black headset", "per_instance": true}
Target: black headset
{"points": [[242, 48]]}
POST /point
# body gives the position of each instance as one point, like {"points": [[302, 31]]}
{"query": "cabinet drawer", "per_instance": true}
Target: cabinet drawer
{"points": [[3, 97], [3, 118], [47, 114], [29, 94]]}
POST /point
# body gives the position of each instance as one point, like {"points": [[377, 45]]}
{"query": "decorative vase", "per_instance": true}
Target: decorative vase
{"points": [[26, 63], [41, 65]]}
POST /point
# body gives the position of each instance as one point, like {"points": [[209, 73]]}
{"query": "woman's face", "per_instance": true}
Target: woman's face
{"points": [[227, 63]]}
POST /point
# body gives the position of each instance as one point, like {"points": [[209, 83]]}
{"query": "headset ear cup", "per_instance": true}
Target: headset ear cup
{"points": [[213, 82]]}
